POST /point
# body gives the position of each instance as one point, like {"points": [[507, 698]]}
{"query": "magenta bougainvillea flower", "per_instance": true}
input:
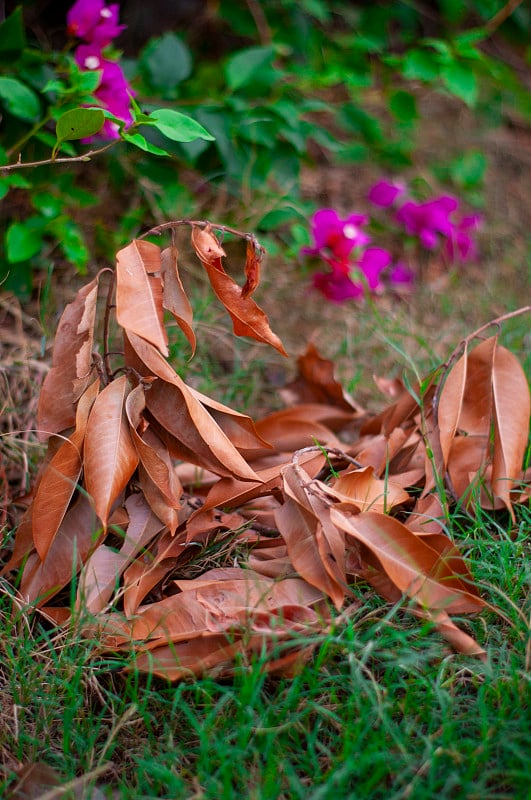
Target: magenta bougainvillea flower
{"points": [[335, 237], [460, 246], [355, 270], [401, 275], [93, 21], [113, 92], [98, 25], [384, 193], [428, 220], [337, 287]]}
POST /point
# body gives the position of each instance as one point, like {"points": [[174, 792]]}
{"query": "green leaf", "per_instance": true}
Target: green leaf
{"points": [[141, 142], [12, 34], [279, 216], [71, 242], [23, 240], [19, 99], [166, 63], [461, 82], [468, 171], [79, 123], [420, 65], [249, 65], [178, 127], [403, 105], [48, 204]]}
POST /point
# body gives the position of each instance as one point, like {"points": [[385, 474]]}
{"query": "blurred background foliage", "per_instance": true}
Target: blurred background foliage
{"points": [[280, 84]]}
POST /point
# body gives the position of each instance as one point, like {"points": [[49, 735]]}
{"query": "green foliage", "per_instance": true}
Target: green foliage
{"points": [[296, 80]]}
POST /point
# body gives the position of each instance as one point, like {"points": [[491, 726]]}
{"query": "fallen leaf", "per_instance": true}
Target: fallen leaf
{"points": [[110, 457], [411, 564]]}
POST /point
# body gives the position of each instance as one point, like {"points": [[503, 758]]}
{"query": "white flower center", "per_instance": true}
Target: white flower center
{"points": [[350, 231], [106, 13], [92, 62]]}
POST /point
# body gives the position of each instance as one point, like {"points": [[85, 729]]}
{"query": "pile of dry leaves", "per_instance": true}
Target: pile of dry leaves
{"points": [[145, 477]]}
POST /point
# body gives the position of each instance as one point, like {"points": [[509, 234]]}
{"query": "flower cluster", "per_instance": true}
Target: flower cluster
{"points": [[355, 268], [97, 25]]}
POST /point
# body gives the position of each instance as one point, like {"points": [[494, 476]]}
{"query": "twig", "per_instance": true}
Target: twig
{"points": [[500, 17], [201, 223], [66, 160], [260, 20]]}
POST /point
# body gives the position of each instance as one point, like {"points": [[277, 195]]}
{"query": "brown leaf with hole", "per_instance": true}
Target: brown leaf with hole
{"points": [[139, 293], [71, 363], [59, 480], [415, 568], [110, 457], [174, 298], [512, 408], [247, 318]]}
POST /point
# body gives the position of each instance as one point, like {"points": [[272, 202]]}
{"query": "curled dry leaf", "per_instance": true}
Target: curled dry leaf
{"points": [[60, 478], [253, 260], [139, 293], [174, 298], [512, 408], [110, 456], [71, 370], [361, 490], [247, 318], [316, 383]]}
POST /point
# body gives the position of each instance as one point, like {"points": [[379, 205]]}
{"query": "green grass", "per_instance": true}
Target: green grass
{"points": [[384, 710]]}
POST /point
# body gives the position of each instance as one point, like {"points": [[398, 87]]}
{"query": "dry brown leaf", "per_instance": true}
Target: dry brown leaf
{"points": [[101, 574], [110, 457], [152, 454], [71, 363], [59, 481], [253, 260], [512, 408], [139, 293], [174, 298], [195, 436], [465, 403], [316, 383], [78, 534], [360, 488], [316, 549], [247, 318], [415, 568]]}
